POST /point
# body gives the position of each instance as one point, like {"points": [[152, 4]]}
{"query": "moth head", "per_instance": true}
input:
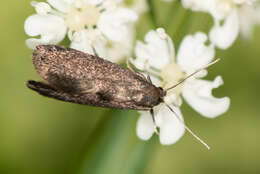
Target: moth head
{"points": [[162, 93], [151, 96]]}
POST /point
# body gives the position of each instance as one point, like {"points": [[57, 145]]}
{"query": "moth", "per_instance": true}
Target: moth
{"points": [[77, 77]]}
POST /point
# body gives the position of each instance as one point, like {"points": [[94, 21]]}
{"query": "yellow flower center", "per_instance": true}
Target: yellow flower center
{"points": [[172, 74], [79, 18]]}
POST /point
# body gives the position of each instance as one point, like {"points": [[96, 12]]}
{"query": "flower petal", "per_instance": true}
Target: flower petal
{"points": [[145, 127], [198, 94], [171, 129], [80, 42], [173, 99], [199, 5], [52, 29], [32, 42], [84, 40], [194, 53], [114, 23], [116, 51], [249, 16], [156, 51], [224, 36], [61, 5], [41, 8]]}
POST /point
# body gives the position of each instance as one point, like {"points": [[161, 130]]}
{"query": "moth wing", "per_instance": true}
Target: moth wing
{"points": [[87, 79], [49, 91], [113, 93]]}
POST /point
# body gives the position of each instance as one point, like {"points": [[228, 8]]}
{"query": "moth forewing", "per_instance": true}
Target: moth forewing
{"points": [[82, 78]]}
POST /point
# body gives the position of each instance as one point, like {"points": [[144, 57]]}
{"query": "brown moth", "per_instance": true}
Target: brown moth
{"points": [[74, 76], [78, 77]]}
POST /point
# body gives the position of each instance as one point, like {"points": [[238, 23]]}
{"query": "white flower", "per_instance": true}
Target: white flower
{"points": [[249, 16], [88, 23], [157, 56], [115, 51], [226, 18], [171, 130], [223, 36]]}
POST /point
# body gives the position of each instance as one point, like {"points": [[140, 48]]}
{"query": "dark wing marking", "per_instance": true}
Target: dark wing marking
{"points": [[104, 95], [63, 82], [48, 91]]}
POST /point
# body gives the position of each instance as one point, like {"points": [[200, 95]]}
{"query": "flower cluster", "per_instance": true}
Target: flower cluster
{"points": [[230, 18], [107, 28], [91, 25], [157, 57]]}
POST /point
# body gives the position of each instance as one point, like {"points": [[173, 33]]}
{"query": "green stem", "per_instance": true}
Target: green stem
{"points": [[91, 140], [113, 147], [180, 29], [152, 13], [172, 15], [140, 158]]}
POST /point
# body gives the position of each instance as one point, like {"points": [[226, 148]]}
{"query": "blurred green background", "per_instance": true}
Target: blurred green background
{"points": [[45, 136]]}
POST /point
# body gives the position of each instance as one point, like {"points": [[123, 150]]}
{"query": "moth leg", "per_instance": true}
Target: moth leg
{"points": [[155, 127], [131, 69], [128, 65], [149, 79]]}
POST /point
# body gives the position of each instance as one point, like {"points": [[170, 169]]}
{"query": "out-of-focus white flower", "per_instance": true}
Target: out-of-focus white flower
{"points": [[249, 17], [139, 6], [219, 9], [89, 24], [226, 18], [223, 36], [157, 57]]}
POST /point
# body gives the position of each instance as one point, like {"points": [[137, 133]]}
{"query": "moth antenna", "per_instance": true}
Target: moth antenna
{"points": [[188, 129], [192, 74]]}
